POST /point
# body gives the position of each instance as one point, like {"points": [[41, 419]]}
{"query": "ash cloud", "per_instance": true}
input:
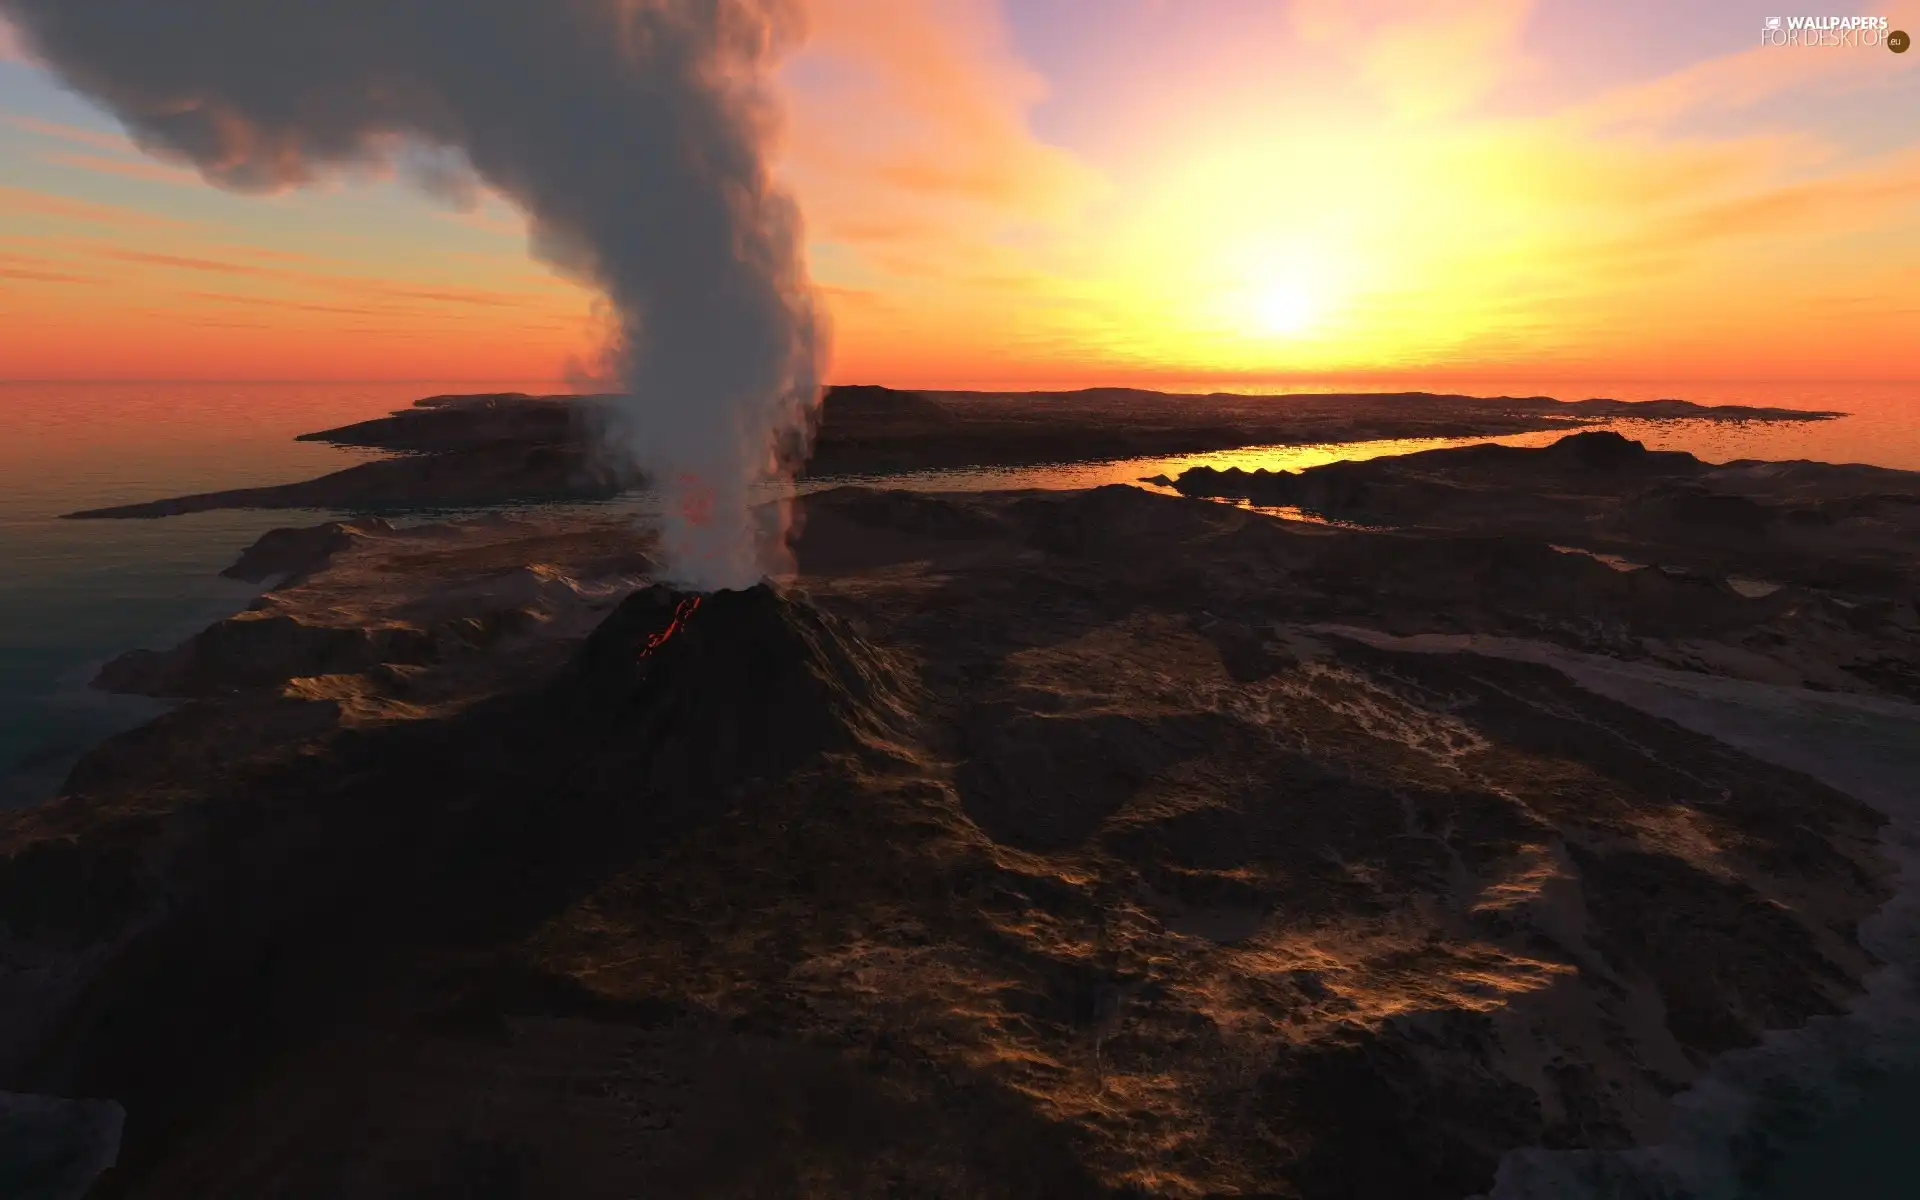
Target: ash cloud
{"points": [[633, 133]]}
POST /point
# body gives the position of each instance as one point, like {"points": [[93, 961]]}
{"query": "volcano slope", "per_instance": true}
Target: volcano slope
{"points": [[1025, 845]]}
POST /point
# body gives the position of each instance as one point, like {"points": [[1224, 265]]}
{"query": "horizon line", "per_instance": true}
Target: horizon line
{"points": [[1012, 385]]}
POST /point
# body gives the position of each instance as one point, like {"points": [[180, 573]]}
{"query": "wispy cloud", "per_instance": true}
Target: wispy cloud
{"points": [[845, 299], [214, 323], [360, 286], [25, 202], [122, 157], [1423, 58], [99, 139], [264, 254], [474, 296], [291, 305], [1846, 202], [185, 263], [853, 227], [32, 275], [921, 102], [1732, 82], [916, 162], [33, 269], [487, 220], [141, 169]]}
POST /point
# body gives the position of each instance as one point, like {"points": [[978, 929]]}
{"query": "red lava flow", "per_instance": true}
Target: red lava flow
{"points": [[682, 612]]}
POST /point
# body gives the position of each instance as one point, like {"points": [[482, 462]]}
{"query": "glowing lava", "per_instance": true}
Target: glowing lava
{"points": [[682, 612]]}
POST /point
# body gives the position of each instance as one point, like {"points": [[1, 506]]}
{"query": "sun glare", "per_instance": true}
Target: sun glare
{"points": [[1284, 309]]}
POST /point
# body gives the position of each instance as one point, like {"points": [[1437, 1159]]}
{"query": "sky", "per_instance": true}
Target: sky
{"points": [[1081, 192]]}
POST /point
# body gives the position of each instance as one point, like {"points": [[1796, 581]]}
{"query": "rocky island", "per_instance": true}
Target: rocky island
{"points": [[1029, 844], [476, 450]]}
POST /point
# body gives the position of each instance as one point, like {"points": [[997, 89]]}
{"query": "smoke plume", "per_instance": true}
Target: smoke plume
{"points": [[632, 133]]}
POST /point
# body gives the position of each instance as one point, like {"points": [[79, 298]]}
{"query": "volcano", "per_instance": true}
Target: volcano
{"points": [[686, 699]]}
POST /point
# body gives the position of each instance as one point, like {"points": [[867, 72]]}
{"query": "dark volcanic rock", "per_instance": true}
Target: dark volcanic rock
{"points": [[244, 920], [259, 648], [53, 1149], [1604, 450], [439, 424], [1686, 409], [1392, 1121], [1046, 781], [687, 696], [1689, 506], [863, 410], [489, 473], [292, 553], [1808, 524]]}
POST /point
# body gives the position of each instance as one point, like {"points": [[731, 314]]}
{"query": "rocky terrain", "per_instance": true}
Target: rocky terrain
{"points": [[1846, 532], [474, 450], [1084, 844]]}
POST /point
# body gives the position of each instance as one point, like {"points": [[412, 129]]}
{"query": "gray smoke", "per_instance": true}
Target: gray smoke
{"points": [[633, 134]]}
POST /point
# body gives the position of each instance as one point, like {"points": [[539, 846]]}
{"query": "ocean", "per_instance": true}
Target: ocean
{"points": [[1828, 1109]]}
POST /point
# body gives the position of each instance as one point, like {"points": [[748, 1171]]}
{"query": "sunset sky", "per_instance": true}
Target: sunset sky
{"points": [[1089, 191]]}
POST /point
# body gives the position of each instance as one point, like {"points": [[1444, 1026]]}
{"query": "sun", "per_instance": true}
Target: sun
{"points": [[1283, 309]]}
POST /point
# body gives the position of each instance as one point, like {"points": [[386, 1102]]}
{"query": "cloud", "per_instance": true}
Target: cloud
{"points": [[31, 275], [99, 139], [293, 305], [33, 269], [264, 254], [141, 169], [487, 220], [10, 48], [922, 102], [442, 296], [923, 182], [1422, 58], [122, 157], [1859, 199], [24, 202], [184, 263], [855, 227], [1736, 81], [344, 284], [205, 323]]}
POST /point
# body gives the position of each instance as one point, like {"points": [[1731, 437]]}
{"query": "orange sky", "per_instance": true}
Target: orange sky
{"points": [[1077, 191]]}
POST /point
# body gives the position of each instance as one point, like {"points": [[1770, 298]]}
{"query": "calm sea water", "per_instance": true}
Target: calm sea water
{"points": [[73, 594]]}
